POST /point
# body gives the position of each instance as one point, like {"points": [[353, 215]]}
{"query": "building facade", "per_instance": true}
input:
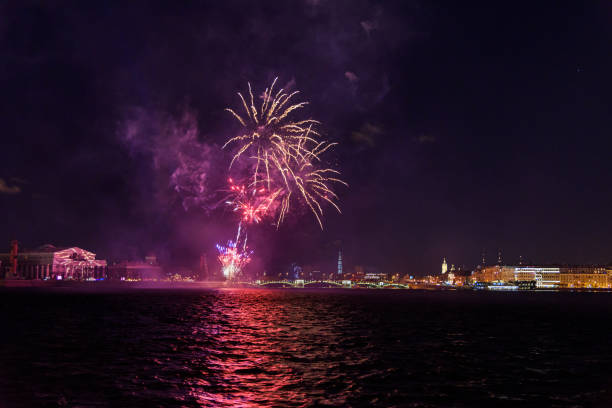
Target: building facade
{"points": [[585, 277], [51, 263], [565, 276], [544, 277]]}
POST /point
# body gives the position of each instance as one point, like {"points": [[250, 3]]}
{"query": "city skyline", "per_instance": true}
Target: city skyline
{"points": [[165, 269], [340, 203], [450, 141]]}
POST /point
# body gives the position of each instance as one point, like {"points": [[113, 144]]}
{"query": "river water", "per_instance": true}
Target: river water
{"points": [[301, 347]]}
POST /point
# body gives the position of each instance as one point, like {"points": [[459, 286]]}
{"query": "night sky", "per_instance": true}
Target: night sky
{"points": [[463, 126]]}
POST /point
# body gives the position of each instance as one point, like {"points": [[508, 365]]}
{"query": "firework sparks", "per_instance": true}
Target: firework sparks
{"points": [[234, 256], [253, 203], [283, 158], [283, 154], [232, 259]]}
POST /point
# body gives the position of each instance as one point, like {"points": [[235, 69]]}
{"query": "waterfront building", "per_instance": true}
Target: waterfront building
{"points": [[463, 276], [375, 277], [585, 277], [507, 273], [493, 273], [487, 273], [457, 276], [48, 262], [544, 277], [548, 276]]}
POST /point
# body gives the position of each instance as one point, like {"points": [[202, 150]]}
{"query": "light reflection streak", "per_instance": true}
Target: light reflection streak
{"points": [[256, 354]]}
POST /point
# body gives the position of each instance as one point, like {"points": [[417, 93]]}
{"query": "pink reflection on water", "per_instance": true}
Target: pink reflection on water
{"points": [[260, 353]]}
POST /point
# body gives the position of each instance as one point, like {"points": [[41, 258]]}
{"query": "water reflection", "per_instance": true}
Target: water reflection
{"points": [[250, 350], [303, 348]]}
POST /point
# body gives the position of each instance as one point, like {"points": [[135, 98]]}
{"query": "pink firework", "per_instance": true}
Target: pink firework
{"points": [[253, 203]]}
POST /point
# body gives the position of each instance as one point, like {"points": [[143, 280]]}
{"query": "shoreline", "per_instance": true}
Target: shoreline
{"points": [[171, 285]]}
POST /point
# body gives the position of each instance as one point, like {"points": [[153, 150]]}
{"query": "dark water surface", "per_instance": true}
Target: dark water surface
{"points": [[156, 348]]}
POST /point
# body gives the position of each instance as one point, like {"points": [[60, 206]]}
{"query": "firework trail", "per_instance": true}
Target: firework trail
{"points": [[283, 154], [252, 204], [234, 256]]}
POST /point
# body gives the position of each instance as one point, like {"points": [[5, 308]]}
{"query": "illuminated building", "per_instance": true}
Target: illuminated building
{"points": [[451, 278], [340, 263], [487, 274], [506, 273], [444, 266], [462, 277], [585, 277], [373, 274], [375, 277], [549, 276], [495, 273], [544, 277], [49, 262], [456, 276]]}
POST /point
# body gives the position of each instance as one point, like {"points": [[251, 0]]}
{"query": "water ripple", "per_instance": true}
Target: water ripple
{"points": [[292, 348]]}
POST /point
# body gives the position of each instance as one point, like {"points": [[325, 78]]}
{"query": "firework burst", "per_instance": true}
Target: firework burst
{"points": [[253, 204], [269, 132], [232, 259], [234, 256], [283, 154]]}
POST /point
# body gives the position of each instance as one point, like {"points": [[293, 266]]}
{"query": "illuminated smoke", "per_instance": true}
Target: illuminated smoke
{"points": [[182, 162]]}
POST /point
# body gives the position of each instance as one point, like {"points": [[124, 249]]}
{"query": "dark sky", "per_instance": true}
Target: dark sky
{"points": [[463, 126]]}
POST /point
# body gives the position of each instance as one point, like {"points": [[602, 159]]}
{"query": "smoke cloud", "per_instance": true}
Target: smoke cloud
{"points": [[181, 162]]}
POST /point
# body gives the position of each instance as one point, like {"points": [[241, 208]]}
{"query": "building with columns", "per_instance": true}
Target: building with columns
{"points": [[51, 263]]}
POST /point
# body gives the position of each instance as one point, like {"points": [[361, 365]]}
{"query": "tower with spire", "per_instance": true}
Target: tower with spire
{"points": [[444, 266], [339, 263]]}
